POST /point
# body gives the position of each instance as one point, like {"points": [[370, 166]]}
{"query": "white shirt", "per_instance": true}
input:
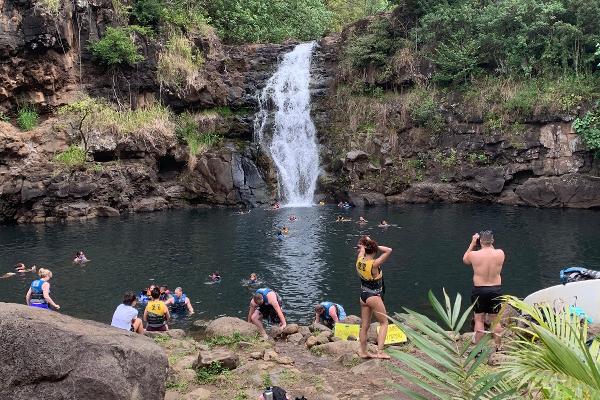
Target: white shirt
{"points": [[123, 316]]}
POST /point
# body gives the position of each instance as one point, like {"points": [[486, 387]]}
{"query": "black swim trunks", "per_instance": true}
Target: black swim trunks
{"points": [[269, 313], [366, 292], [486, 299]]}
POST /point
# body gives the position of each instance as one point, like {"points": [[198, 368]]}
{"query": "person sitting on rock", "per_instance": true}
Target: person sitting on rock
{"points": [[126, 315], [180, 302], [156, 313], [266, 303], [328, 313], [80, 258], [38, 294]]}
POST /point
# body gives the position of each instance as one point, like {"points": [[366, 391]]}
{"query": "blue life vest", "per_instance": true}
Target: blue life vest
{"points": [[37, 293], [179, 303], [341, 313], [142, 298], [264, 292]]}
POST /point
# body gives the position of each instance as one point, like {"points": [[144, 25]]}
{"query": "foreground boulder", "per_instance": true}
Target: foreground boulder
{"points": [[49, 355], [227, 326]]}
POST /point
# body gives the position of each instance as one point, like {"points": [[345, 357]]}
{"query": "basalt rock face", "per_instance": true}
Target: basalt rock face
{"points": [[46, 354], [45, 61], [373, 153], [129, 175]]}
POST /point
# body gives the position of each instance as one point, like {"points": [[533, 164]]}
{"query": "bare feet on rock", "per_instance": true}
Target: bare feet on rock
{"points": [[382, 356]]}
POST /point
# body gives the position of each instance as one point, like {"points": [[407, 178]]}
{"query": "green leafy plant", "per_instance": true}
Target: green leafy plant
{"points": [[451, 369], [187, 130], [118, 47], [148, 12], [266, 380], [178, 63], [27, 118], [161, 339], [557, 363], [211, 373], [244, 21], [588, 127], [74, 156]]}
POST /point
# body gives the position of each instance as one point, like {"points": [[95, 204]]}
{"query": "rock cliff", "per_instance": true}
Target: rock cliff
{"points": [[374, 151]]}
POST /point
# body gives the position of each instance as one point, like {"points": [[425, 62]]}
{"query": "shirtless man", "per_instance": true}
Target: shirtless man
{"points": [[487, 282]]}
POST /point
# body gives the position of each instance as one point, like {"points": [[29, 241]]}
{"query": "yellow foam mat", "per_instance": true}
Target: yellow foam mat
{"points": [[394, 334]]}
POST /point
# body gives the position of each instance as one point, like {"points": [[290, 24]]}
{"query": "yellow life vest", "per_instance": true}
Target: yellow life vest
{"points": [[364, 267]]}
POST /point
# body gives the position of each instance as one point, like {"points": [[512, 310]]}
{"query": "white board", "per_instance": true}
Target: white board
{"points": [[584, 294]]}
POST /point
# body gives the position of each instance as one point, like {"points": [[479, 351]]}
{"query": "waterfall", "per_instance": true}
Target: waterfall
{"points": [[284, 127]]}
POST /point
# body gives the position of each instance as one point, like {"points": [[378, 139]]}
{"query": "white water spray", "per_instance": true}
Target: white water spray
{"points": [[292, 145]]}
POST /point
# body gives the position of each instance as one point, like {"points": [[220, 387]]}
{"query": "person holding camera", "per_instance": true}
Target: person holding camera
{"points": [[487, 265], [368, 266]]}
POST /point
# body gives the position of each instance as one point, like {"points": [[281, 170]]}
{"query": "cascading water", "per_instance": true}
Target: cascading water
{"points": [[284, 127]]}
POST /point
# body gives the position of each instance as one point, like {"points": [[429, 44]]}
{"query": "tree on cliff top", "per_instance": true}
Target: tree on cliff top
{"points": [[118, 47], [242, 21]]}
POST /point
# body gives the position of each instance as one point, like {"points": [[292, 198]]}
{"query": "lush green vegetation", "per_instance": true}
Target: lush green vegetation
{"points": [[347, 11], [588, 127], [187, 130], [27, 118], [118, 47], [211, 373], [241, 21], [74, 156], [546, 357], [50, 6], [178, 63], [230, 341]]}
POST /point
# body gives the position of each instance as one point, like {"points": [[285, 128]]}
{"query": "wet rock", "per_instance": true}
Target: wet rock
{"points": [[226, 358], [150, 204], [106, 211], [227, 326], [72, 358], [367, 199]]}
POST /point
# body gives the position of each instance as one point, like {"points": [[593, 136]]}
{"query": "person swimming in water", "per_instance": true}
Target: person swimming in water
{"points": [[38, 294], [383, 224], [180, 302], [215, 276], [285, 230], [253, 278], [342, 219], [80, 258], [362, 220], [165, 293], [19, 268], [279, 235], [266, 303], [292, 218]]}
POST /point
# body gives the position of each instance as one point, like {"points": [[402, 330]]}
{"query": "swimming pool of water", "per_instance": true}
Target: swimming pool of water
{"points": [[314, 262]]}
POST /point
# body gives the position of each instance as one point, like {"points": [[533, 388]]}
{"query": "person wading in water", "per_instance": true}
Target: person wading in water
{"points": [[371, 293], [487, 282]]}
